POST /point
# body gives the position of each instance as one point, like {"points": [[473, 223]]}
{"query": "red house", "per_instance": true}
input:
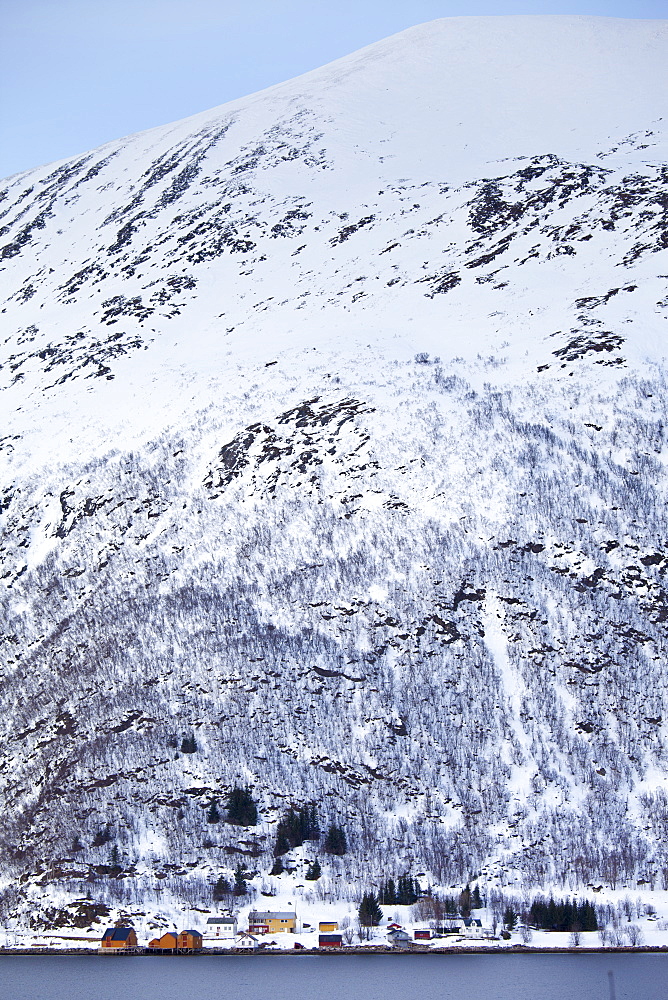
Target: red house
{"points": [[330, 940]]}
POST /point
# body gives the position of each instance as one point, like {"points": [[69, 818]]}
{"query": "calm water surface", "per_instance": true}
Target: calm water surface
{"points": [[376, 977]]}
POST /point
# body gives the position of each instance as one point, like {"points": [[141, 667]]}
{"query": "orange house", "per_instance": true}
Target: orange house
{"points": [[190, 941], [168, 942], [117, 939]]}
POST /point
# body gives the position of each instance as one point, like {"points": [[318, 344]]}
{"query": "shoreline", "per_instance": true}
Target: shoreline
{"points": [[518, 949]]}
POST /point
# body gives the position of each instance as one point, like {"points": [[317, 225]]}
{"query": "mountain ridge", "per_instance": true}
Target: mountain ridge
{"points": [[350, 467]]}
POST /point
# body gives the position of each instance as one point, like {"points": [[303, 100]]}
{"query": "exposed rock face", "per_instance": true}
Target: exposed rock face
{"points": [[339, 446]]}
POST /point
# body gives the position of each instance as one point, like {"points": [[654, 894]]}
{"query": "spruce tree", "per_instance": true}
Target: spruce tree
{"points": [[407, 890], [240, 888], [465, 903], [221, 890], [213, 815], [388, 893], [314, 871], [476, 901], [278, 867], [296, 826], [241, 809], [282, 845], [369, 912], [335, 841]]}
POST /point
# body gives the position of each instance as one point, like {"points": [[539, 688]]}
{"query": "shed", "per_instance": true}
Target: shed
{"points": [[450, 925], [327, 926], [423, 934], [330, 940]]}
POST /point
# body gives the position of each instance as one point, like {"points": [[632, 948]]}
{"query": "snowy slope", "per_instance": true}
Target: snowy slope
{"points": [[333, 432]]}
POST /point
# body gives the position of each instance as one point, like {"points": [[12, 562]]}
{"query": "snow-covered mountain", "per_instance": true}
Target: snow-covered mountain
{"points": [[334, 434]]}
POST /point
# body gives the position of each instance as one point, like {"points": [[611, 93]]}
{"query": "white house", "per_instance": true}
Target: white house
{"points": [[220, 927], [473, 928], [246, 940]]}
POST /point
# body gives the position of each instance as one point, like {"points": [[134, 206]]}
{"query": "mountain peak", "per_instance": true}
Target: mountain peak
{"points": [[333, 445]]}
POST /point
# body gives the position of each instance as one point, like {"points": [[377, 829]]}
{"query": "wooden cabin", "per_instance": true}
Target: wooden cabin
{"points": [[423, 934], [330, 940], [327, 926], [117, 939], [190, 941], [168, 942]]}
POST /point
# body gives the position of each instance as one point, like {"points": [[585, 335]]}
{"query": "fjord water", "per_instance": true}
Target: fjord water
{"points": [[373, 977]]}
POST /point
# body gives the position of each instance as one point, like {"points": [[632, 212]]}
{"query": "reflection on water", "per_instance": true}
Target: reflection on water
{"points": [[336, 977]]}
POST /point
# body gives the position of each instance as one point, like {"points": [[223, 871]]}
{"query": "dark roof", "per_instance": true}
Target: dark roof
{"points": [[118, 933], [196, 933]]}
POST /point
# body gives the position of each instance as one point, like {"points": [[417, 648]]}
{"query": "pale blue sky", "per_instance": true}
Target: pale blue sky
{"points": [[77, 73]]}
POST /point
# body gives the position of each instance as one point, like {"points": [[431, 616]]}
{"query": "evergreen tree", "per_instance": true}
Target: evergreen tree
{"points": [[241, 809], [465, 903], [476, 901], [221, 890], [240, 887], [296, 826], [388, 893], [314, 871], [282, 845], [567, 916], [188, 744], [563, 916], [278, 867], [335, 841], [114, 858], [313, 831], [407, 890], [369, 912], [212, 815], [509, 918]]}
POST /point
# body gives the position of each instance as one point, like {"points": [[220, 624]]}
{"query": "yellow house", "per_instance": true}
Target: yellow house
{"points": [[327, 926], [271, 922]]}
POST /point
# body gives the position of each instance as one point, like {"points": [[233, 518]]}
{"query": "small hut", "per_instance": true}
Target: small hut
{"points": [[328, 926], [330, 940]]}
